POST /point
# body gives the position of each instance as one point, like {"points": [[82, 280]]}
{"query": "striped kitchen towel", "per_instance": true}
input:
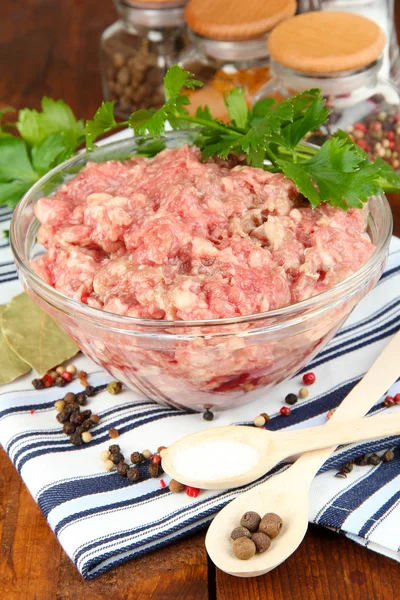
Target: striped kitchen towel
{"points": [[102, 520]]}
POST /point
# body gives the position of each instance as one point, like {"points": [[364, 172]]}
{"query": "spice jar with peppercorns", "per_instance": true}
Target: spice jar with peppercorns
{"points": [[229, 47], [138, 49], [340, 53]]}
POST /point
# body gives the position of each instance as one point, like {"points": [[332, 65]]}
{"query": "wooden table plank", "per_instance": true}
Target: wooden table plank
{"points": [[51, 48]]}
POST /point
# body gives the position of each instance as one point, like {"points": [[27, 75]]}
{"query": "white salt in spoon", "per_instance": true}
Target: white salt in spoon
{"points": [[232, 456], [287, 493]]}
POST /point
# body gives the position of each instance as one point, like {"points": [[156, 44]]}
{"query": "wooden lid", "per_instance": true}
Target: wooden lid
{"points": [[155, 3], [326, 42], [236, 19]]}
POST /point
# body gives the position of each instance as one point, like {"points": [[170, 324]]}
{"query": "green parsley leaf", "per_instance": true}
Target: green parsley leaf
{"points": [[176, 79], [49, 153], [102, 122], [14, 161], [237, 107], [56, 117], [12, 192]]}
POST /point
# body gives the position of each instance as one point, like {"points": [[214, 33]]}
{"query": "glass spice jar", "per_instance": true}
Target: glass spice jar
{"points": [[340, 53], [138, 49], [229, 47]]}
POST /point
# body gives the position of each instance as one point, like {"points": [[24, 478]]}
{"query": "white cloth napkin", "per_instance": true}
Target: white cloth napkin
{"points": [[102, 520]]}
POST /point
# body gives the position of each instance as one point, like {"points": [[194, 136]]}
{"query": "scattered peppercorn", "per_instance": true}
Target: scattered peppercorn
{"points": [[147, 454], [37, 384], [60, 381], [105, 455], [303, 392], [261, 541], [175, 487], [95, 419], [397, 399], [82, 375], [250, 520], [60, 369], [86, 425], [69, 428], [133, 474], [374, 459], [52, 374], [114, 448], [108, 465], [162, 484], [362, 461], [161, 448], [59, 405], [239, 532], [113, 433], [341, 475], [285, 411], [154, 470], [208, 415], [47, 380], [193, 492], [271, 525], [348, 466], [122, 468], [81, 399], [243, 548], [156, 459], [71, 369], [87, 437], [69, 397], [63, 416], [86, 413], [89, 390], [76, 438], [77, 418], [266, 417], [259, 421], [291, 399], [114, 387], [330, 413], [117, 457], [388, 456], [137, 458], [309, 378], [67, 376], [389, 401]]}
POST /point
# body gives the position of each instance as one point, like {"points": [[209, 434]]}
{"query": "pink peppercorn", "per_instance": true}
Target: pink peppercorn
{"points": [[397, 399], [192, 491], [309, 378], [391, 144], [32, 411], [47, 380], [389, 401], [361, 127], [285, 411], [376, 126], [67, 376], [156, 459], [396, 118], [162, 484], [390, 135]]}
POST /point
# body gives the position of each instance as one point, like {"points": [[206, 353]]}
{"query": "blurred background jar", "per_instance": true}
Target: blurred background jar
{"points": [[340, 53], [380, 11], [229, 47], [138, 49]]}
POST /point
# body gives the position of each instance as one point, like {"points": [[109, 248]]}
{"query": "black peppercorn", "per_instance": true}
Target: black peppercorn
{"points": [[76, 438], [133, 474], [154, 470], [60, 381], [122, 468], [208, 415], [81, 399], [86, 425], [89, 390], [374, 459], [86, 413], [348, 467], [137, 458], [95, 419], [69, 428], [362, 461], [69, 397], [388, 456], [250, 520], [114, 448], [117, 457], [77, 418], [341, 475], [63, 416], [291, 399], [38, 384]]}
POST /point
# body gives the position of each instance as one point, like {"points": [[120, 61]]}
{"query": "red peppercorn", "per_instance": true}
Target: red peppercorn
{"points": [[47, 380], [390, 135], [397, 399], [156, 459], [162, 484], [285, 411], [391, 144], [389, 401], [363, 144], [66, 376], [361, 127], [192, 491], [376, 126], [32, 411], [309, 378]]}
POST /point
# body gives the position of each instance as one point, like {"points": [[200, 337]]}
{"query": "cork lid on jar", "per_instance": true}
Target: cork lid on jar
{"points": [[326, 42], [236, 19]]}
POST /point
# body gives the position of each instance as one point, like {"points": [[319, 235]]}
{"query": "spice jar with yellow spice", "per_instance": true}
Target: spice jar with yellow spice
{"points": [[229, 47], [137, 51], [340, 53]]}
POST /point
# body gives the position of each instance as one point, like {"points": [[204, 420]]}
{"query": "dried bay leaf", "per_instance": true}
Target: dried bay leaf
{"points": [[11, 366], [34, 336]]}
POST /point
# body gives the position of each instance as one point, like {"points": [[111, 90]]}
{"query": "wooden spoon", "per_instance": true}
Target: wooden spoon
{"points": [[287, 493], [271, 447]]}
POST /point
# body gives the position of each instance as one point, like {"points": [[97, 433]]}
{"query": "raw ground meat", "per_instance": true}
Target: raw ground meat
{"points": [[175, 238]]}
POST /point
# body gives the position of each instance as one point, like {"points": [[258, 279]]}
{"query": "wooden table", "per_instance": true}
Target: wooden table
{"points": [[51, 48]]}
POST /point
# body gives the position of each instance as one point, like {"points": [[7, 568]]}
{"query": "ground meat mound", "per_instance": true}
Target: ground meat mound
{"points": [[174, 238]]}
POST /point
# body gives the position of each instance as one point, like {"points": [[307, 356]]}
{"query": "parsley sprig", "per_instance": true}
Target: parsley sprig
{"points": [[269, 135]]}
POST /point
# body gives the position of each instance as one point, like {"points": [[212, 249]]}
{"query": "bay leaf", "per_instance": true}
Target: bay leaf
{"points": [[11, 366], [34, 336]]}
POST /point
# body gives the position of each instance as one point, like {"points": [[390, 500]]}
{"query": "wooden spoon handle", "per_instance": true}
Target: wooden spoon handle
{"points": [[362, 397], [358, 430]]}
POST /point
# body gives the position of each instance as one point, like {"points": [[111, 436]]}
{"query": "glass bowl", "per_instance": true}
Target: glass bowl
{"points": [[213, 364]]}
